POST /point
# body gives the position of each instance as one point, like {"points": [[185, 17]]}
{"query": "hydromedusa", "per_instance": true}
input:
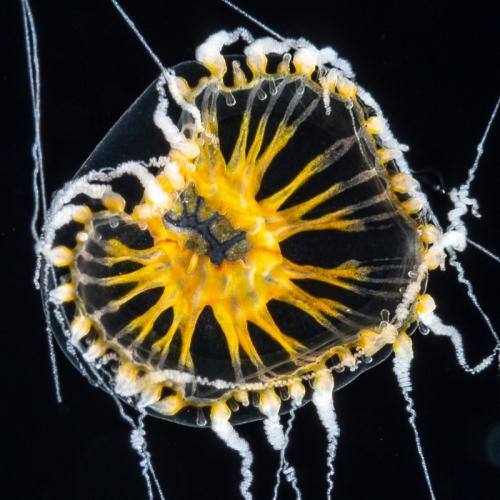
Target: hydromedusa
{"points": [[321, 104]]}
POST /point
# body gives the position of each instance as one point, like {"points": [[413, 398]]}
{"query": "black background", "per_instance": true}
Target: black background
{"points": [[434, 69]]}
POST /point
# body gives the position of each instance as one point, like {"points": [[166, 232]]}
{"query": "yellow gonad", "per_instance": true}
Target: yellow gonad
{"points": [[272, 236]]}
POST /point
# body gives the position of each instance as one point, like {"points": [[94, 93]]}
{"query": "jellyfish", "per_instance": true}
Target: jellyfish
{"points": [[188, 125]]}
